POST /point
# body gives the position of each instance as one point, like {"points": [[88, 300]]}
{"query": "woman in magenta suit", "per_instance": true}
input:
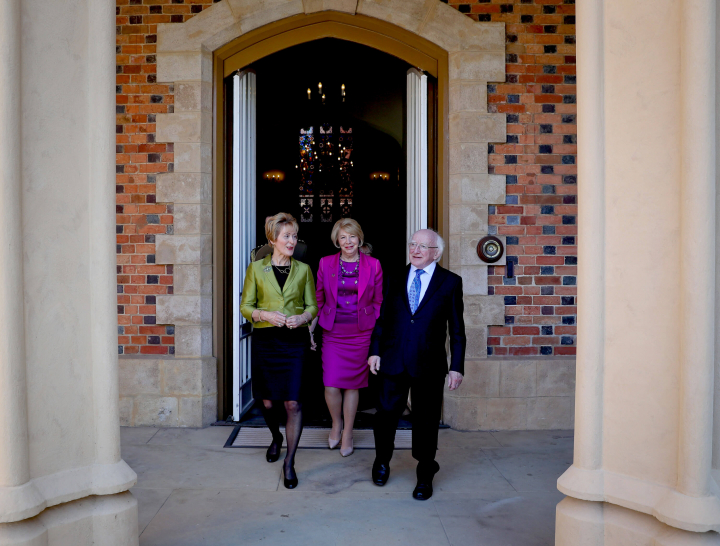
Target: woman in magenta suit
{"points": [[349, 294]]}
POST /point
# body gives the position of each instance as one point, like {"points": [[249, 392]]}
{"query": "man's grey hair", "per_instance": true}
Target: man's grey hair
{"points": [[439, 242]]}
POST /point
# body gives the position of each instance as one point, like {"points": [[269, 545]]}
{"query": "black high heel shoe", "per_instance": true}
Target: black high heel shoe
{"points": [[290, 483], [272, 455]]}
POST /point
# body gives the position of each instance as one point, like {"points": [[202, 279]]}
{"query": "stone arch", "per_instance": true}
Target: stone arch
{"points": [[186, 59]]}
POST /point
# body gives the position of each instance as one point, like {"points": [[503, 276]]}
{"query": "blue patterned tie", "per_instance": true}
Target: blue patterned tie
{"points": [[414, 295]]}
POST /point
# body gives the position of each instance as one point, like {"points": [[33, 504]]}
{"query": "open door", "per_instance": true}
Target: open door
{"points": [[243, 230], [417, 151], [417, 156]]}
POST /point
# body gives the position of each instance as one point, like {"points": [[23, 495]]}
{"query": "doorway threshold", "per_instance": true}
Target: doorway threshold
{"points": [[312, 438]]}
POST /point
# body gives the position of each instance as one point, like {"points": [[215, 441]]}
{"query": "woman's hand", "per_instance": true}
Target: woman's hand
{"points": [[374, 363], [296, 320], [313, 324], [274, 317]]}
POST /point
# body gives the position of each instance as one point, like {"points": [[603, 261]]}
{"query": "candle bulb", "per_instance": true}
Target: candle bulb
{"points": [[309, 92], [323, 99], [320, 88]]}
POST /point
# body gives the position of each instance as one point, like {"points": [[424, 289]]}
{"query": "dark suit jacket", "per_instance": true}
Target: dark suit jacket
{"points": [[416, 343]]}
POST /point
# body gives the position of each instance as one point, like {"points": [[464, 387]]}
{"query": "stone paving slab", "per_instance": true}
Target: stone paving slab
{"points": [[494, 488]]}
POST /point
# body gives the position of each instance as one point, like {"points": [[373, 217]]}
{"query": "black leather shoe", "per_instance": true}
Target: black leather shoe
{"points": [[424, 489], [290, 483], [273, 452], [380, 473]]}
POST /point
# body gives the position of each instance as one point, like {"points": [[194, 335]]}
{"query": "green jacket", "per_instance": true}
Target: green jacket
{"points": [[262, 291]]}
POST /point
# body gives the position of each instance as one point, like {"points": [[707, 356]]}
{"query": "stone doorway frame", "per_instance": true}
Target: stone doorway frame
{"points": [[190, 56]]}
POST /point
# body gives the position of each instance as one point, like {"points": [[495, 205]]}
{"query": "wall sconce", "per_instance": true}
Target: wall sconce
{"points": [[379, 176], [490, 249], [274, 176]]}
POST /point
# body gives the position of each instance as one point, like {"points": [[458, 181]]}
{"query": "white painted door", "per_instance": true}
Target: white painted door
{"points": [[243, 231], [417, 151], [417, 156]]}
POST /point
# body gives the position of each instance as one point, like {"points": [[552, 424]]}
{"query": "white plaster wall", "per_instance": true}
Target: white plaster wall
{"points": [[57, 150]]}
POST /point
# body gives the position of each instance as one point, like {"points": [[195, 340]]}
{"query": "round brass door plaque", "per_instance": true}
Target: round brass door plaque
{"points": [[490, 249]]}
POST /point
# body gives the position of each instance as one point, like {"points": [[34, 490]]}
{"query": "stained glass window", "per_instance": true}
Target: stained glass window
{"points": [[329, 162], [307, 168]]}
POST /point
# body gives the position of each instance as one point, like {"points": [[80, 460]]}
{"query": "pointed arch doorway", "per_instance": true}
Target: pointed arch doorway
{"points": [[238, 206]]}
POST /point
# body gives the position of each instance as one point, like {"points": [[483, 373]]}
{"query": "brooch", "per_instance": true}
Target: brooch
{"points": [[267, 269]]}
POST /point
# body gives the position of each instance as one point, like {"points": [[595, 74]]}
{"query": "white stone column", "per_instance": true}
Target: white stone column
{"points": [[697, 211], [62, 481], [14, 470], [646, 133], [103, 324], [591, 238]]}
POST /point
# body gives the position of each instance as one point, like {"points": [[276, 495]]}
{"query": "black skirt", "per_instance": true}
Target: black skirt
{"points": [[278, 361]]}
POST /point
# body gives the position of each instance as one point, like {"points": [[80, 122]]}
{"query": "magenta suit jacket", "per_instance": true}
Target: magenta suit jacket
{"points": [[370, 287]]}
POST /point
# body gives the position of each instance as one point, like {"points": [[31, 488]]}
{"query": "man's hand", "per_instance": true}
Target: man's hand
{"points": [[374, 363], [454, 379]]}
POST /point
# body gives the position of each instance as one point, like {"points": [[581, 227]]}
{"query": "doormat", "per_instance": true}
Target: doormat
{"points": [[312, 438]]}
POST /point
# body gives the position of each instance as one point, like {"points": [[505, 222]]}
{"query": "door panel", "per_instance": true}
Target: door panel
{"points": [[243, 226]]}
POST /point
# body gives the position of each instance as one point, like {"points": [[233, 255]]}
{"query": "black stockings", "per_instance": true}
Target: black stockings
{"points": [[293, 431], [273, 423]]}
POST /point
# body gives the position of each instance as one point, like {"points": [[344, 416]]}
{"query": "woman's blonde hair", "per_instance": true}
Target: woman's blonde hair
{"points": [[275, 225], [349, 226]]}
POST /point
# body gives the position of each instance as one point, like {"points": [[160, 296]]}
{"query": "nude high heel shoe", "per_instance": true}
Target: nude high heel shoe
{"points": [[332, 444], [349, 451]]}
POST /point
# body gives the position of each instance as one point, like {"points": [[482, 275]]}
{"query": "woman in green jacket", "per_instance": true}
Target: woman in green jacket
{"points": [[279, 299]]}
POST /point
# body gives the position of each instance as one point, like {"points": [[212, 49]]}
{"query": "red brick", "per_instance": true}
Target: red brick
{"points": [[525, 330], [154, 349], [523, 351], [546, 340]]}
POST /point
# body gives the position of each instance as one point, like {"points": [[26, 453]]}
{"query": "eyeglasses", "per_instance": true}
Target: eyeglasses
{"points": [[423, 247]]}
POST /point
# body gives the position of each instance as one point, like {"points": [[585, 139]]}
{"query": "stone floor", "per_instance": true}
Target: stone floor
{"points": [[494, 488]]}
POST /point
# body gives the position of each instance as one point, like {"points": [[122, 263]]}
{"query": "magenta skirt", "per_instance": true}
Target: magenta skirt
{"points": [[344, 356]]}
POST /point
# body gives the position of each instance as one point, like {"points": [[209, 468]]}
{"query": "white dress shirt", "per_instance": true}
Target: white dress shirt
{"points": [[424, 279]]}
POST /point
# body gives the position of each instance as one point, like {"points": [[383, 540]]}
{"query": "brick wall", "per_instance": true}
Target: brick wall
{"points": [[139, 160], [539, 217], [539, 159]]}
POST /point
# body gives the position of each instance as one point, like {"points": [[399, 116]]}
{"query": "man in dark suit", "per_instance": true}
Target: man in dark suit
{"points": [[408, 352]]}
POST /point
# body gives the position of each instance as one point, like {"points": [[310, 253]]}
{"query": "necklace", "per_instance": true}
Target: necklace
{"points": [[348, 273], [283, 269]]}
